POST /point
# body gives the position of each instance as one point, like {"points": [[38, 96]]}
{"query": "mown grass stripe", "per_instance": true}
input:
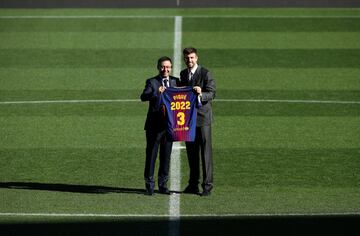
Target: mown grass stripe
{"points": [[118, 58], [236, 40], [286, 24], [133, 94], [195, 23], [287, 81], [275, 40], [84, 40], [325, 167], [85, 25], [78, 58], [285, 109], [291, 94], [70, 81], [222, 107], [282, 58]]}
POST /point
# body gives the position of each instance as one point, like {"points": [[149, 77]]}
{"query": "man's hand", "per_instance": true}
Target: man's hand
{"points": [[162, 89], [197, 89]]}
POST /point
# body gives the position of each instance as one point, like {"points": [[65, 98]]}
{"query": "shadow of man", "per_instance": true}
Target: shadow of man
{"points": [[74, 188]]}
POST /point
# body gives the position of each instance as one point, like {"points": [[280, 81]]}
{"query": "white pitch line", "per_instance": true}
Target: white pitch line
{"points": [[269, 16], [104, 215], [166, 17], [175, 173], [288, 101], [83, 17], [71, 101], [12, 214]]}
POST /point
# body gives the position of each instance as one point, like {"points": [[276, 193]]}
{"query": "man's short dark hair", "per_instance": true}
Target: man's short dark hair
{"points": [[162, 59], [189, 50]]}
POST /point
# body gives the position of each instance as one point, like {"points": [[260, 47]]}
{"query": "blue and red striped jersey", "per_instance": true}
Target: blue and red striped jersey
{"points": [[180, 107]]}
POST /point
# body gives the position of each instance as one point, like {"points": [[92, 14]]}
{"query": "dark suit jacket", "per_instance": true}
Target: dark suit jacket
{"points": [[155, 119], [203, 79]]}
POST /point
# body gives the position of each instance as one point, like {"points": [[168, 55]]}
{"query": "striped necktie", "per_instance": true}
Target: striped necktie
{"points": [[190, 76]]}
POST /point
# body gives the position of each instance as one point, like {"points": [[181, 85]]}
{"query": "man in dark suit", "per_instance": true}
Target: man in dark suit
{"points": [[155, 127], [204, 85]]}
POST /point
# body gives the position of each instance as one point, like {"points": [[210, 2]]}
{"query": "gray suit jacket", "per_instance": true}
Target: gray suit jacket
{"points": [[203, 79], [155, 119]]}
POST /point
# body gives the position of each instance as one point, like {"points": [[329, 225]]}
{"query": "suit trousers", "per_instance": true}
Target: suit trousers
{"points": [[154, 141], [203, 145]]}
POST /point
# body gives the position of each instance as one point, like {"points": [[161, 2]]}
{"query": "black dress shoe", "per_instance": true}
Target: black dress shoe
{"points": [[205, 193], [191, 190], [149, 192], [164, 190]]}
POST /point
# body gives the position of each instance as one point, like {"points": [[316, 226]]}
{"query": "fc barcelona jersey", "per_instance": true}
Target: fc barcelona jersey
{"points": [[180, 107]]}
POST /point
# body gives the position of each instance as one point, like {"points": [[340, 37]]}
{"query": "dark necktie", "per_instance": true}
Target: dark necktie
{"points": [[166, 83]]}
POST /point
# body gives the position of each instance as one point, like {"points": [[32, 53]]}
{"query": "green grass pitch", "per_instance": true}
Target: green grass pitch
{"points": [[269, 157]]}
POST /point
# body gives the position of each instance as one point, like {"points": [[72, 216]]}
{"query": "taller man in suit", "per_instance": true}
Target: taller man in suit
{"points": [[155, 127], [204, 85]]}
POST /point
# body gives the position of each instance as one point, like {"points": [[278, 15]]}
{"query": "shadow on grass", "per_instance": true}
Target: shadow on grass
{"points": [[184, 225], [69, 188], [304, 225]]}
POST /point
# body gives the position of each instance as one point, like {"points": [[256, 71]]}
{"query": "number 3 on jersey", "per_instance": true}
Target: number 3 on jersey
{"points": [[181, 118]]}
